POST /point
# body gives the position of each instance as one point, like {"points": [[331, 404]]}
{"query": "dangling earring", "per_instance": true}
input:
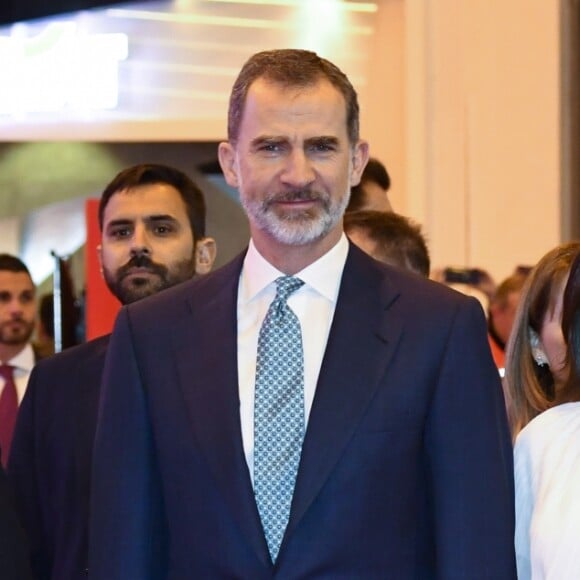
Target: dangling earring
{"points": [[538, 353]]}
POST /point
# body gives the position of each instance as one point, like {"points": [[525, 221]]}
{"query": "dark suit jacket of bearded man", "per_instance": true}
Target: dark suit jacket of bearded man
{"points": [[50, 459]]}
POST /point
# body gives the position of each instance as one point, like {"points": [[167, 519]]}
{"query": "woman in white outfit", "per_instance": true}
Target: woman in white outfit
{"points": [[547, 448]]}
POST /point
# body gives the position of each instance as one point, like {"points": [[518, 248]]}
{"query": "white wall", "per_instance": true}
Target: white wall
{"points": [[459, 98], [478, 156], [10, 235]]}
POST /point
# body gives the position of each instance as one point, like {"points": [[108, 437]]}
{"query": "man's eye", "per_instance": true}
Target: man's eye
{"points": [[270, 147], [323, 147], [26, 298], [163, 230], [120, 233]]}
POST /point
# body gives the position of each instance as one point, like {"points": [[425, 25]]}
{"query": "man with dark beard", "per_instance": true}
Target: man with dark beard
{"points": [[17, 319], [152, 221]]}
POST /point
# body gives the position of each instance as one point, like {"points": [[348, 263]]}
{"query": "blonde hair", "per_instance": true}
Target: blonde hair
{"points": [[529, 386]]}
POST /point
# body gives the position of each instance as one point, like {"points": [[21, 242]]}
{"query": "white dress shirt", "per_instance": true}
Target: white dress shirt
{"points": [[313, 303], [22, 363]]}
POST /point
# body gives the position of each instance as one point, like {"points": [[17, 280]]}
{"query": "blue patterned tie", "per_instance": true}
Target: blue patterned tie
{"points": [[278, 413]]}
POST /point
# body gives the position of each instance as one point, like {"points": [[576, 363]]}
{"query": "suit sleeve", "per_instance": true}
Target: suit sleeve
{"points": [[470, 458], [22, 476], [126, 528], [14, 564]]}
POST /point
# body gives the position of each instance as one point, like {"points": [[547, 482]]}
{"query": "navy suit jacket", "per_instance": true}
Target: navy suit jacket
{"points": [[14, 563], [406, 466], [50, 459]]}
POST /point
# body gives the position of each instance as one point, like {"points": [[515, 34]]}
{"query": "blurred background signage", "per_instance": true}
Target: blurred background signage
{"points": [[59, 68]]}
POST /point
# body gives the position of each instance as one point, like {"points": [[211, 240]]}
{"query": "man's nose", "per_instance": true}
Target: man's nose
{"points": [[15, 307], [140, 243], [298, 171]]}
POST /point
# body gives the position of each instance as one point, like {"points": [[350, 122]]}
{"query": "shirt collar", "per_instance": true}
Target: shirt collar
{"points": [[24, 360], [323, 275]]}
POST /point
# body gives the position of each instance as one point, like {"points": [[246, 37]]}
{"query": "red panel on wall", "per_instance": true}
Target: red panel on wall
{"points": [[101, 305]]}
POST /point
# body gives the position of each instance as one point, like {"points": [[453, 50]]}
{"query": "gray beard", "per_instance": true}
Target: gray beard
{"points": [[296, 228]]}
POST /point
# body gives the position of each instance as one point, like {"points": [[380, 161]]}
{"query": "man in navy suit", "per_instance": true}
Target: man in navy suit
{"points": [[152, 220], [405, 467]]}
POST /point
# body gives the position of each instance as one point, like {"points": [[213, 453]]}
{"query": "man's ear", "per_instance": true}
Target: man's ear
{"points": [[227, 159], [100, 257], [360, 157], [205, 253]]}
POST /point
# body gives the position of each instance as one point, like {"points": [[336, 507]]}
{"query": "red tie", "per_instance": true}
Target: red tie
{"points": [[8, 410]]}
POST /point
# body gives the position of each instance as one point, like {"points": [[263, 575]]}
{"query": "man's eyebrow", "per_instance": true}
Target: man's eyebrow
{"points": [[147, 219], [267, 139], [322, 140], [118, 222], [162, 217]]}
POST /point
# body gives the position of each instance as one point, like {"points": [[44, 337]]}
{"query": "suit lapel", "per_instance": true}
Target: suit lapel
{"points": [[207, 351], [88, 374], [361, 342], [208, 354]]}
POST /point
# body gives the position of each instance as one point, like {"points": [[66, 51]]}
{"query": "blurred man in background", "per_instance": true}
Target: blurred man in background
{"points": [[502, 310], [17, 357], [390, 238], [372, 191]]}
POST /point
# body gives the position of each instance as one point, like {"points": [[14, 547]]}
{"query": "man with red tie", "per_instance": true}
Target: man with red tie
{"points": [[17, 318]]}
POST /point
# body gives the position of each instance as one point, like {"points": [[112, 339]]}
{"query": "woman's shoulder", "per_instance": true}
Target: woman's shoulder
{"points": [[549, 431], [566, 415]]}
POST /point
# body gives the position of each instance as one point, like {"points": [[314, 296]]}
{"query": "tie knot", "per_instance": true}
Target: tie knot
{"points": [[285, 286], [7, 372]]}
